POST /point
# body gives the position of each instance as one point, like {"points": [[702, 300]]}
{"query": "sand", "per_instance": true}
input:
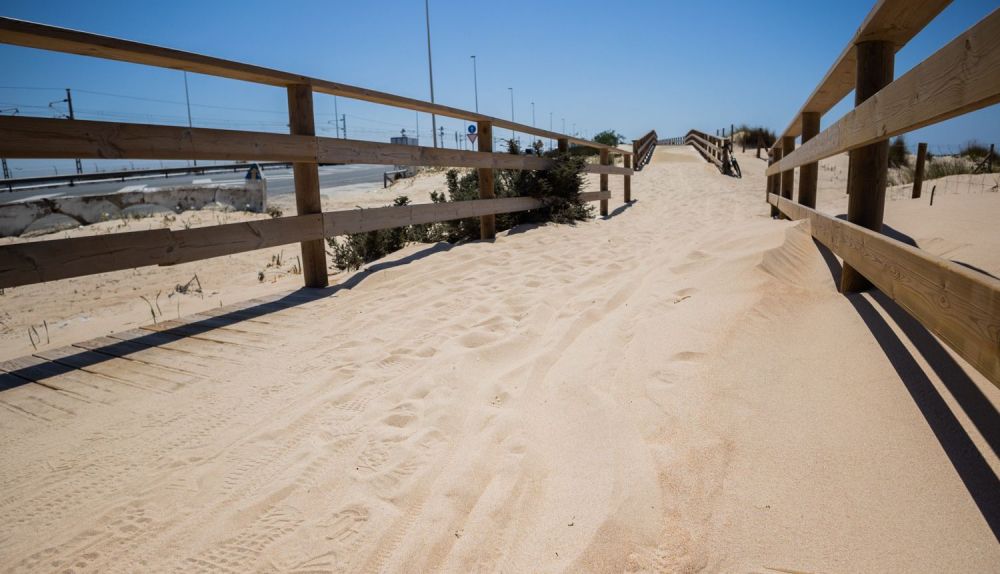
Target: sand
{"points": [[64, 312], [676, 388]]}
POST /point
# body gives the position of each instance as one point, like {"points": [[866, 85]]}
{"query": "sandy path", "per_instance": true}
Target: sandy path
{"points": [[676, 388]]}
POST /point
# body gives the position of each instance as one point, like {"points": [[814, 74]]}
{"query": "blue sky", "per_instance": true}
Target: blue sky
{"points": [[628, 66]]}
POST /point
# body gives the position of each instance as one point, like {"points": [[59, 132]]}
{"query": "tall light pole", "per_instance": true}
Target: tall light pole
{"points": [[550, 129], [336, 114], [430, 68], [187, 96], [475, 82], [564, 126], [513, 134]]}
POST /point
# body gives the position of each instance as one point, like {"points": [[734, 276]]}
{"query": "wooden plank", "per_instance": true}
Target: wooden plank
{"points": [[131, 372], [24, 137], [152, 355], [895, 21], [230, 238], [301, 122], [32, 138], [40, 261], [961, 77], [44, 37], [360, 220], [487, 222], [959, 305], [869, 165]]}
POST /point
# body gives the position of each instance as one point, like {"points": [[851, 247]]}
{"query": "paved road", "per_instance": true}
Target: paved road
{"points": [[279, 182]]}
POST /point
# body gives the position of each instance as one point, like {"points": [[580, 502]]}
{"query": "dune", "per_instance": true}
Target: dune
{"points": [[678, 387]]}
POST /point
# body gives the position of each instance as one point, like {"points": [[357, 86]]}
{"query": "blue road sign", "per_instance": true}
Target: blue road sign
{"points": [[472, 129]]}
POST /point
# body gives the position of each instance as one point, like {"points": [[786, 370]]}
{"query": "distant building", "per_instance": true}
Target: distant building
{"points": [[403, 139]]}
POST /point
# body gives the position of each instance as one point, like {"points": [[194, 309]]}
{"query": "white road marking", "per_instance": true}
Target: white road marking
{"points": [[129, 188], [201, 181]]}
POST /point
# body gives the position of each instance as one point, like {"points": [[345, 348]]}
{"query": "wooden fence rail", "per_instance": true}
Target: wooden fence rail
{"points": [[959, 305], [643, 148], [27, 137], [713, 148]]}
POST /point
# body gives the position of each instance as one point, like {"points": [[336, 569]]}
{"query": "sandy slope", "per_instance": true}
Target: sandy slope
{"points": [[65, 312], [676, 388]]}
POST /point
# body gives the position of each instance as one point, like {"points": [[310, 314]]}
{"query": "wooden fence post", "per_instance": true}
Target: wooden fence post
{"points": [[809, 173], [488, 223], [605, 160], [774, 181], [869, 164], [787, 176], [307, 198], [918, 171], [628, 180]]}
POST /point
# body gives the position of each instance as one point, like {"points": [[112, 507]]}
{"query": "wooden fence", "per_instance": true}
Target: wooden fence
{"points": [[642, 149], [26, 137], [960, 306], [713, 148]]}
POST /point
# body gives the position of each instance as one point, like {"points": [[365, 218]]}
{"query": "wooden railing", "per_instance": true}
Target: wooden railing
{"points": [[959, 305], [26, 137], [643, 148], [713, 148], [671, 141]]}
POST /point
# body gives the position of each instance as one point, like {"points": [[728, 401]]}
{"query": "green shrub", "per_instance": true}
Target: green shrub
{"points": [[609, 137], [360, 248], [945, 166], [980, 155], [898, 153], [557, 188], [755, 136]]}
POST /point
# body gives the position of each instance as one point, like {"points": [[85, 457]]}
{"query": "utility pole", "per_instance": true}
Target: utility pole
{"points": [[550, 129], [6, 170], [564, 126], [430, 67], [69, 103], [187, 97], [475, 82], [513, 134], [335, 114], [343, 118]]}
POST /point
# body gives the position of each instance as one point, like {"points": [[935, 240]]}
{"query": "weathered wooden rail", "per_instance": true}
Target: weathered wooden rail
{"points": [[713, 148], [643, 148], [26, 137], [960, 306]]}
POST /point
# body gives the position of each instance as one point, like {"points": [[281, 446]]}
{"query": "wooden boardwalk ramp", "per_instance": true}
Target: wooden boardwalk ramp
{"points": [[578, 390]]}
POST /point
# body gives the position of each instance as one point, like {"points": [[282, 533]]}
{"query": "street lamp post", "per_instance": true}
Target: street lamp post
{"points": [[550, 129], [187, 97], [475, 82], [513, 134], [430, 68]]}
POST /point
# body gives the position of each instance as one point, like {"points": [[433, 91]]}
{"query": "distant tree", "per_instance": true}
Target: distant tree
{"points": [[610, 137], [898, 153]]}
